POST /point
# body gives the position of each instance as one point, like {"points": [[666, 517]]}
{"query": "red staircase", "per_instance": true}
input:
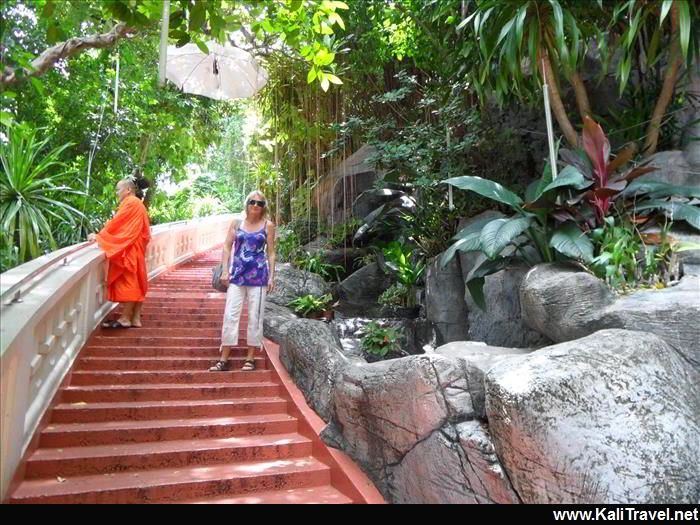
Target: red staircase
{"points": [[143, 421]]}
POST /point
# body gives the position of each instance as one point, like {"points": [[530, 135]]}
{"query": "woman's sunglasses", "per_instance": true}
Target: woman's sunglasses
{"points": [[253, 202]]}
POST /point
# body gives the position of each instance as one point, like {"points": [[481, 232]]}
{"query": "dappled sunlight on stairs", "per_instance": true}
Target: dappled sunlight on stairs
{"points": [[143, 421]]}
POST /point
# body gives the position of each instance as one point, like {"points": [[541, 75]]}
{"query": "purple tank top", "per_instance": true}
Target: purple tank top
{"points": [[249, 266]]}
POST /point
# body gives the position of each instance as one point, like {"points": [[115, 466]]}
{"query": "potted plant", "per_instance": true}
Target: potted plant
{"points": [[313, 307]]}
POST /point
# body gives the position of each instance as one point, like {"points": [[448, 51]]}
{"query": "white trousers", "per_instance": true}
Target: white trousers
{"points": [[235, 297]]}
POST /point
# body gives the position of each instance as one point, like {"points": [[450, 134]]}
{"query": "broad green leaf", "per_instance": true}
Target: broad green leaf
{"points": [[6, 118], [486, 188], [558, 24], [311, 76], [332, 78], [661, 189], [498, 233], [665, 8], [572, 242], [686, 246], [684, 21], [202, 46], [569, 176], [675, 210], [476, 279]]}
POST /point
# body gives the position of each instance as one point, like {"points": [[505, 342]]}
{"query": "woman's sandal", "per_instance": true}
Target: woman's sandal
{"points": [[220, 366], [248, 365], [114, 324]]}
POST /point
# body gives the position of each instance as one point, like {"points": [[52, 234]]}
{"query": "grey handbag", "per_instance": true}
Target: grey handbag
{"points": [[216, 279]]}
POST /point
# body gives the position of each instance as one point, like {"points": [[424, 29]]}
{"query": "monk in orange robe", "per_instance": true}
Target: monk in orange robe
{"points": [[124, 239]]}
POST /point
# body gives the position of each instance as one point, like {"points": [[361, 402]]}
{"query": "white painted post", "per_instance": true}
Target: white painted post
{"points": [[164, 27], [550, 130]]}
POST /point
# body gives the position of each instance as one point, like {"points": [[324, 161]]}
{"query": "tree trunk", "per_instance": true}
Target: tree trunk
{"points": [[584, 106], [69, 48], [675, 60], [555, 99]]}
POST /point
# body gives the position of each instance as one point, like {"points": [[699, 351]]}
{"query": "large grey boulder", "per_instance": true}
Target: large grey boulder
{"points": [[409, 423], [613, 417], [276, 322], [358, 293], [456, 464], [563, 302], [444, 301], [501, 323], [566, 303], [477, 359], [383, 409], [312, 354], [291, 283], [672, 167]]}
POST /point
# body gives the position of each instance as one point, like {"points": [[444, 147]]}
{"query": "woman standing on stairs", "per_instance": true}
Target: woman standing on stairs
{"points": [[251, 275]]}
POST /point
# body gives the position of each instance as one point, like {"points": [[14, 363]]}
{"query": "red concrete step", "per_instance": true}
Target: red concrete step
{"points": [[176, 484], [325, 495], [150, 341], [59, 435], [162, 392], [162, 363], [192, 312], [101, 459], [83, 412], [177, 318], [136, 377], [210, 352], [167, 322], [150, 331]]}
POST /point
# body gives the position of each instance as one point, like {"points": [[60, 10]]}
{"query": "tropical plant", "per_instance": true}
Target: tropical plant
{"points": [[533, 234], [552, 221], [308, 305], [398, 294], [627, 258], [403, 262], [380, 341], [287, 245], [613, 185], [33, 190], [314, 263], [549, 37]]}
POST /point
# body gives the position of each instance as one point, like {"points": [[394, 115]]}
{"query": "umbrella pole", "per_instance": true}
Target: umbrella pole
{"points": [[550, 131], [164, 26]]}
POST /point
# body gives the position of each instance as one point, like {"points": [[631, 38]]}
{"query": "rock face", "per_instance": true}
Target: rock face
{"points": [[612, 417], [444, 301], [312, 355], [359, 293], [565, 303], [276, 322], [456, 464], [370, 200], [673, 167], [408, 422], [501, 324], [291, 283], [477, 359]]}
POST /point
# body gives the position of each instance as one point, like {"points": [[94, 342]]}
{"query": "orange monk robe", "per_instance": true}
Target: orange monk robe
{"points": [[124, 239]]}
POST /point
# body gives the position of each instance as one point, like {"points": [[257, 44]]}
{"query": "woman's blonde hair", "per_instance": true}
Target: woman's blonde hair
{"points": [[262, 198]]}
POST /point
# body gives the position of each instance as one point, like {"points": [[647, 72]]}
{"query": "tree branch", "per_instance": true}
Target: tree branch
{"points": [[69, 48], [675, 61]]}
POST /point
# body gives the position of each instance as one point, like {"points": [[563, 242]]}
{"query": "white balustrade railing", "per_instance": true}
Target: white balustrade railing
{"points": [[50, 306]]}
